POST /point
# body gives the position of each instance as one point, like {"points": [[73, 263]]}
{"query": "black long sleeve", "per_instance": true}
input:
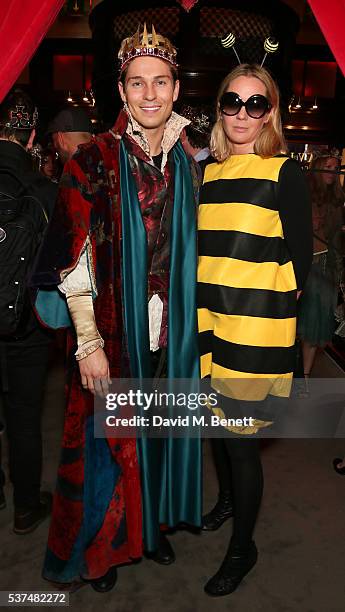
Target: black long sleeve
{"points": [[296, 217]]}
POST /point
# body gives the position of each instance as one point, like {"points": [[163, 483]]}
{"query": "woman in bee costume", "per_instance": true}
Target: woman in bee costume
{"points": [[255, 249]]}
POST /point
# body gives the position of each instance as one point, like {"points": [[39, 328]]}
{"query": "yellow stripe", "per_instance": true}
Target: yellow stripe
{"points": [[246, 386], [245, 166], [205, 365], [241, 218], [246, 430], [241, 385], [249, 331], [207, 319], [246, 274]]}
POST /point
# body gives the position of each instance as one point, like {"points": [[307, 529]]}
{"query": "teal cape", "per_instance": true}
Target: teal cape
{"points": [[170, 467]]}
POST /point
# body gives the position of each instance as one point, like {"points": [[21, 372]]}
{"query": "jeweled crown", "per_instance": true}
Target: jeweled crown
{"points": [[17, 111], [198, 117], [145, 44]]}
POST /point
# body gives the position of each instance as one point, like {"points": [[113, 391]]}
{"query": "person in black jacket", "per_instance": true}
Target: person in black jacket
{"points": [[24, 355]]}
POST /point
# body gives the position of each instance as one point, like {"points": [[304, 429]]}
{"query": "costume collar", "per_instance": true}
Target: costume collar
{"points": [[126, 124]]}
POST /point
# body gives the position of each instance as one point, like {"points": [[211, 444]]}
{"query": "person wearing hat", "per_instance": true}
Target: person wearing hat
{"points": [[70, 128], [196, 136], [23, 354], [127, 269]]}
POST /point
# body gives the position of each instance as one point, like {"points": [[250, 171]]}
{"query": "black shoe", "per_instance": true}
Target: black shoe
{"points": [[2, 499], [165, 554], [233, 569], [105, 583], [339, 470], [220, 513], [27, 519]]}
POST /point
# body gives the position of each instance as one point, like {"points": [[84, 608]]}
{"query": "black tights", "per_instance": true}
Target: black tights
{"points": [[239, 470]]}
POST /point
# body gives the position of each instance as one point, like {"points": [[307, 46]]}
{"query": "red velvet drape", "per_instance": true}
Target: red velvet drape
{"points": [[23, 24], [330, 15]]}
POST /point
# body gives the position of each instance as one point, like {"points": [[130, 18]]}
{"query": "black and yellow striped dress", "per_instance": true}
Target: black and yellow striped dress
{"points": [[246, 280]]}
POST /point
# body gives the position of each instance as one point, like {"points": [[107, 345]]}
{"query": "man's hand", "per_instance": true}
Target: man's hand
{"points": [[94, 372]]}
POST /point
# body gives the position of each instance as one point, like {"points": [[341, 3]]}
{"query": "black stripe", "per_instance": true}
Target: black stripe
{"points": [[247, 302], [205, 340], [240, 245], [251, 359], [261, 192]]}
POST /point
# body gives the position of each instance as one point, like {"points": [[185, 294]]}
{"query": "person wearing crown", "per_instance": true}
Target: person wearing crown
{"points": [[196, 136], [126, 270], [26, 201]]}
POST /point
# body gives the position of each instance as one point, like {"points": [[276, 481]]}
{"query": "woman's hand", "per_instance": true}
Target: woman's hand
{"points": [[94, 372]]}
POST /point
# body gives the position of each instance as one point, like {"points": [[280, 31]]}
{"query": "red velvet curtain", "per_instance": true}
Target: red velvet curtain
{"points": [[23, 24], [330, 15]]}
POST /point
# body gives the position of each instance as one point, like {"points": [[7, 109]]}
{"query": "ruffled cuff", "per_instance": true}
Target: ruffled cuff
{"points": [[80, 306]]}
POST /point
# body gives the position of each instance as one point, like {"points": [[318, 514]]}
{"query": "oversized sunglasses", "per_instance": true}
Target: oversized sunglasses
{"points": [[256, 106]]}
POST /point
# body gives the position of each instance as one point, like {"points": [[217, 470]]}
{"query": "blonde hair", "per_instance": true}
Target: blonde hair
{"points": [[270, 140]]}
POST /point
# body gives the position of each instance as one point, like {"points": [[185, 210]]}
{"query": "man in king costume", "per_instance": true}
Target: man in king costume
{"points": [[121, 248]]}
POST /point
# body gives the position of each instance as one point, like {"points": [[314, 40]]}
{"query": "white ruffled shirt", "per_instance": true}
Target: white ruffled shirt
{"points": [[78, 280]]}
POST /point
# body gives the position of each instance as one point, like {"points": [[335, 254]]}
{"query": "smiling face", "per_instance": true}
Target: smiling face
{"points": [[242, 130], [149, 91]]}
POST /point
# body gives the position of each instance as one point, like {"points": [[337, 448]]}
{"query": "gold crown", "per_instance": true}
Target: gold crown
{"points": [[151, 45]]}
